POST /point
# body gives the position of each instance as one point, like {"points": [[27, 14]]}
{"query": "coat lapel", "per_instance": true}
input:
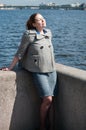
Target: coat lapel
{"points": [[41, 36]]}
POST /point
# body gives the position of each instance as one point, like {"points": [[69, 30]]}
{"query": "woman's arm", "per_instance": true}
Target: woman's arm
{"points": [[14, 62], [20, 52], [12, 65]]}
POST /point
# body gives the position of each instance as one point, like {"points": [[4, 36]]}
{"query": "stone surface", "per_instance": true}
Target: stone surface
{"points": [[20, 103]]}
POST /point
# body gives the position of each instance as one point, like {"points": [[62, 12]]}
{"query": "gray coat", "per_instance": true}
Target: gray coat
{"points": [[36, 51]]}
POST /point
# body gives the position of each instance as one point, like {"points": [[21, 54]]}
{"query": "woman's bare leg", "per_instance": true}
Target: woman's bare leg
{"points": [[46, 103]]}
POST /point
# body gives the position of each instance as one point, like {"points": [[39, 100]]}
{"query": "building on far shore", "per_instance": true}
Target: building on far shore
{"points": [[2, 5], [48, 4], [51, 5], [75, 4]]}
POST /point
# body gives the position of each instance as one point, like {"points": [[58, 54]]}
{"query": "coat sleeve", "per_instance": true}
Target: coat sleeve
{"points": [[23, 45]]}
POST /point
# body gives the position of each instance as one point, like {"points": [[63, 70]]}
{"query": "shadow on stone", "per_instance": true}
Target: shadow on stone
{"points": [[25, 114]]}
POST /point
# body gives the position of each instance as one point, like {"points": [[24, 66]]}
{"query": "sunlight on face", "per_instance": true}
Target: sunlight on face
{"points": [[40, 21]]}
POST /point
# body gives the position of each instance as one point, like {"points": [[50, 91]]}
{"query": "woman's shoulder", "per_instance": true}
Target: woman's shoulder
{"points": [[29, 35], [28, 32]]}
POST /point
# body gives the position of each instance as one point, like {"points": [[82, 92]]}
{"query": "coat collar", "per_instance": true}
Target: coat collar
{"points": [[40, 36]]}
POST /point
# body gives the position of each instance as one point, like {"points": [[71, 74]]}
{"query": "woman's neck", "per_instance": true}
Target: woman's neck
{"points": [[40, 31]]}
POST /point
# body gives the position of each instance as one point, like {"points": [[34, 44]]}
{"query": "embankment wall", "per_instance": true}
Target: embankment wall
{"points": [[20, 103]]}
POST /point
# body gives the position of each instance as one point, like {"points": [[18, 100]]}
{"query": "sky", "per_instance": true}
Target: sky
{"points": [[37, 2]]}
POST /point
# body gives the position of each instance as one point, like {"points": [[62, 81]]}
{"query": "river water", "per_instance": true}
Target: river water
{"points": [[68, 28]]}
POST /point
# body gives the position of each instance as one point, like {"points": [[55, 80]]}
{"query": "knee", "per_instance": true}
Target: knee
{"points": [[48, 100]]}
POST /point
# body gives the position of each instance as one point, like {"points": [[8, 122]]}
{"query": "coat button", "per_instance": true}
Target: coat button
{"points": [[46, 37], [49, 46], [35, 60], [41, 47]]}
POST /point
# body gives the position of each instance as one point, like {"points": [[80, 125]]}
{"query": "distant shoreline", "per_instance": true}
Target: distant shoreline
{"points": [[64, 7]]}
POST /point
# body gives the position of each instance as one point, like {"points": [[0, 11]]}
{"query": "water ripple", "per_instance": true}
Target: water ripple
{"points": [[68, 29]]}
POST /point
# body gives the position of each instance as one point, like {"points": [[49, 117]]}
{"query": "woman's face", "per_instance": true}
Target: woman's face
{"points": [[40, 22]]}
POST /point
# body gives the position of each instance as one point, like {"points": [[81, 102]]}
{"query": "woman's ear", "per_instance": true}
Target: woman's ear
{"points": [[33, 24]]}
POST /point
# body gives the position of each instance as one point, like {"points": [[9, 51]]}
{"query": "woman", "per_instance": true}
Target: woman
{"points": [[36, 55]]}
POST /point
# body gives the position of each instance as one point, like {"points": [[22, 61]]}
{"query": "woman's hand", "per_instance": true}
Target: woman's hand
{"points": [[4, 69], [15, 60]]}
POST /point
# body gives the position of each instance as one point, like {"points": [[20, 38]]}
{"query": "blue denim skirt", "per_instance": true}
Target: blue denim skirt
{"points": [[45, 83]]}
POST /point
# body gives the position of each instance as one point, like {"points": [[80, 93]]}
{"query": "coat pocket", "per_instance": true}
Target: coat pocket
{"points": [[35, 60]]}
